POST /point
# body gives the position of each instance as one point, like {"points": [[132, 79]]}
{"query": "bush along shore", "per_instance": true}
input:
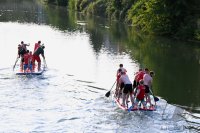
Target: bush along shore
{"points": [[179, 19]]}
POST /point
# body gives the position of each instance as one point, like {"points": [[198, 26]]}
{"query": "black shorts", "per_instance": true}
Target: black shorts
{"points": [[128, 88], [146, 89], [134, 84], [121, 85]]}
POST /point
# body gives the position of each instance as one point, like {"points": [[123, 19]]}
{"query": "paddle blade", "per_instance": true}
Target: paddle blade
{"points": [[156, 99], [107, 94]]}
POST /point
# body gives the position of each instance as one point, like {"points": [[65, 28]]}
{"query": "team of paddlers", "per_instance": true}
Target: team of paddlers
{"points": [[28, 58], [139, 91]]}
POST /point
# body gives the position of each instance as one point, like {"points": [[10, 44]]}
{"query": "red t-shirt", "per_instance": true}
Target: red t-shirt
{"points": [[26, 58], [141, 95], [37, 45], [139, 76]]}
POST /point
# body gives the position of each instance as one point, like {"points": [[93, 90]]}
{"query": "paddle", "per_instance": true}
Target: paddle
{"points": [[108, 93], [155, 98], [45, 64], [15, 63]]}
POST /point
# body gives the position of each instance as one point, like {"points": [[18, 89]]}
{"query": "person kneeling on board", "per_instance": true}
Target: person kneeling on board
{"points": [[127, 90]]}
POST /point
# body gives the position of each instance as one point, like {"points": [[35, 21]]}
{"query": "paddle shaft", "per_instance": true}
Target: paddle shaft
{"points": [[45, 64], [153, 95], [113, 85], [108, 93], [15, 63]]}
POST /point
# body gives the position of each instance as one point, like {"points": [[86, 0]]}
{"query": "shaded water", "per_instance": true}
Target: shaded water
{"points": [[83, 54]]}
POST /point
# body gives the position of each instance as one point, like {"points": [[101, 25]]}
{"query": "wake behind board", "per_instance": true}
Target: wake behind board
{"points": [[129, 108]]}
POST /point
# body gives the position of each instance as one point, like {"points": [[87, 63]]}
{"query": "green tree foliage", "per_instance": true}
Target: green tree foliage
{"points": [[51, 1], [72, 4], [150, 15], [58, 2], [178, 18], [62, 2]]}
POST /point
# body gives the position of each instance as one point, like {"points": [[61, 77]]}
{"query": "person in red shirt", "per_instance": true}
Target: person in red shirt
{"points": [[31, 61], [27, 60], [140, 95], [138, 77], [36, 56], [118, 88], [118, 75], [37, 45]]}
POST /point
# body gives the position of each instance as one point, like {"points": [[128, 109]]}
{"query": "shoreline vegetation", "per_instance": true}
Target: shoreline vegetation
{"points": [[179, 19]]}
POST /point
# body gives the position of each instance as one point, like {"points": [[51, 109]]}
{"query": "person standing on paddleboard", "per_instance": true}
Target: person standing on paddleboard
{"points": [[37, 45], [36, 56], [140, 95], [127, 90], [118, 75], [21, 51], [148, 83], [139, 75], [28, 61]]}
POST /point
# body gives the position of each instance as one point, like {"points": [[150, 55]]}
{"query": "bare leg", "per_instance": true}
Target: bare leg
{"points": [[39, 65], [149, 99], [123, 99], [132, 99]]}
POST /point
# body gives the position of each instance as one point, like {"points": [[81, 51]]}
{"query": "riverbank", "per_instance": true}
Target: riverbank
{"points": [[178, 19]]}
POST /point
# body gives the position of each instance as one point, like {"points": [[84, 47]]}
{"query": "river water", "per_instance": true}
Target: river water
{"points": [[82, 56]]}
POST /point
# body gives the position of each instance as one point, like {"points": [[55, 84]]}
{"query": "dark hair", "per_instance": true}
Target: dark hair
{"points": [[120, 65], [22, 42], [39, 41], [42, 46], [146, 69], [151, 73]]}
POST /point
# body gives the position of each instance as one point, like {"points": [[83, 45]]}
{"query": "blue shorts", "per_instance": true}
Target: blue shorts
{"points": [[27, 66]]}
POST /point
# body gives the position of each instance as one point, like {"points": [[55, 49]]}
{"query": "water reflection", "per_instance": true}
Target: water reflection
{"points": [[176, 64], [25, 11]]}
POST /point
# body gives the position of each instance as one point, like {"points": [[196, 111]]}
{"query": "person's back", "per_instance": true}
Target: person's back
{"points": [[36, 56], [39, 51], [21, 51], [147, 79], [148, 84], [23, 45], [125, 79], [37, 45], [139, 76], [121, 68], [127, 91]]}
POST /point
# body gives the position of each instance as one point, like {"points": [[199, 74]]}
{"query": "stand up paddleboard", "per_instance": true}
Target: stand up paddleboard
{"points": [[128, 106], [28, 72]]}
